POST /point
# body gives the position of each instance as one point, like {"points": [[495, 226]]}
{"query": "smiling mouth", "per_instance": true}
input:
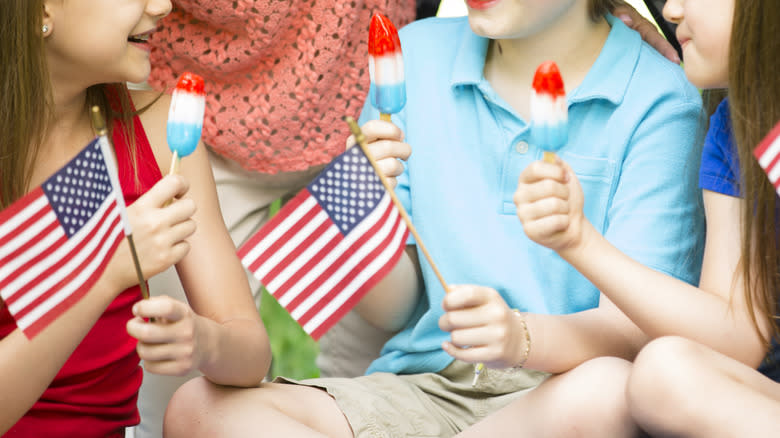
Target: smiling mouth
{"points": [[143, 38]]}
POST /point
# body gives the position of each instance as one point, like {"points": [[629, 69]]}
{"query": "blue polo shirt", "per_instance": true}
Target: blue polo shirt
{"points": [[634, 136]]}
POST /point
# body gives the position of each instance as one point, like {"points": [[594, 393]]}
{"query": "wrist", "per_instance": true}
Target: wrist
{"points": [[525, 340], [580, 245]]}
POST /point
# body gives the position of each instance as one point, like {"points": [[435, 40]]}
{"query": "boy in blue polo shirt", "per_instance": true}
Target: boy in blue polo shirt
{"points": [[634, 125]]}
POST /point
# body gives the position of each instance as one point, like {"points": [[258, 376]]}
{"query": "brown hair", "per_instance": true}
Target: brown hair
{"points": [[598, 8], [26, 96], [754, 99]]}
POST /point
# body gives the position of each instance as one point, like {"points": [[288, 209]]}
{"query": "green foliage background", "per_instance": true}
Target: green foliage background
{"points": [[294, 352]]}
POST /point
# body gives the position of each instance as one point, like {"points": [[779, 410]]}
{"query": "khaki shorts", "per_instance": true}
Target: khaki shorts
{"points": [[424, 405]]}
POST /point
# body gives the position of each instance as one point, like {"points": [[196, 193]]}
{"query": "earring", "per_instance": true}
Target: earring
{"points": [[45, 29]]}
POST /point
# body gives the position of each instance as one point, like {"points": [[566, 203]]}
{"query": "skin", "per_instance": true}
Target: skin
{"points": [[219, 332], [475, 315], [706, 385]]}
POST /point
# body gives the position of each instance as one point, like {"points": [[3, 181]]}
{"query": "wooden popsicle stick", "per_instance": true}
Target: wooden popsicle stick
{"points": [[385, 117], [360, 139], [548, 157]]}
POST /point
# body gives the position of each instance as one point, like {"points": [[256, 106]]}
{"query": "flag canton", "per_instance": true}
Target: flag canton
{"points": [[77, 190], [348, 189]]}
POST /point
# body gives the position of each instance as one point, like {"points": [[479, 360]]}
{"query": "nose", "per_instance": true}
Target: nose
{"points": [[673, 11], [158, 8]]}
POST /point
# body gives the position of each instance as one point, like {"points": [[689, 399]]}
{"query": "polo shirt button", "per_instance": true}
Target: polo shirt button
{"points": [[521, 147]]}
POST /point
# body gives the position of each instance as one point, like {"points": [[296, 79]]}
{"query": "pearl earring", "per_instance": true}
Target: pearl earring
{"points": [[45, 29]]}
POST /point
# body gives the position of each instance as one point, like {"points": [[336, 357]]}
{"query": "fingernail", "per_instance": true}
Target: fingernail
{"points": [[625, 19]]}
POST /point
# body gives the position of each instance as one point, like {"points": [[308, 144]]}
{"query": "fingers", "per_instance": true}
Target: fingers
{"points": [[161, 308], [380, 130], [167, 345], [649, 32], [171, 186]]}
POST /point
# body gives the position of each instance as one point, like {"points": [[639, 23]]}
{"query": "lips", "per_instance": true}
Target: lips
{"points": [[481, 4]]}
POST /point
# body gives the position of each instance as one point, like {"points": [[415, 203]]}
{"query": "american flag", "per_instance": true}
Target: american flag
{"points": [[329, 245], [56, 240], [768, 155]]}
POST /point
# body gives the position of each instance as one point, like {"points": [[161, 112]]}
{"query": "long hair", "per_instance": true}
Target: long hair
{"points": [[754, 99], [26, 97]]}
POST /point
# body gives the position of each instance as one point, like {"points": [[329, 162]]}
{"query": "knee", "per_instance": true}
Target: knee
{"points": [[664, 374], [594, 403], [188, 411]]}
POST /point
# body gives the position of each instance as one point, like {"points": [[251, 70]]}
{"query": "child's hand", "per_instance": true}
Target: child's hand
{"points": [[159, 230], [172, 343], [549, 204], [385, 142], [483, 328]]}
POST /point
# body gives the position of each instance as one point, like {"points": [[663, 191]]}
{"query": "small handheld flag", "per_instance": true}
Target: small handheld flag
{"points": [[549, 111], [329, 245], [185, 117], [768, 154], [385, 67], [56, 241]]}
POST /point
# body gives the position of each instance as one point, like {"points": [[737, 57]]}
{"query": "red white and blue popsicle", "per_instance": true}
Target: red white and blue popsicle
{"points": [[185, 117], [386, 67], [549, 110]]}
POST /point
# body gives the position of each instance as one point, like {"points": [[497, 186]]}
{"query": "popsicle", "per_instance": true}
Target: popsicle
{"points": [[549, 111], [385, 67], [185, 117]]}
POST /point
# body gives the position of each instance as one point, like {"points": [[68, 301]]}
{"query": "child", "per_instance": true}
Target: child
{"points": [[706, 385], [80, 375], [633, 121]]}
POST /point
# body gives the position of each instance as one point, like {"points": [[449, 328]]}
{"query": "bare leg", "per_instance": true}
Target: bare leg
{"points": [[588, 401], [202, 409], [681, 388]]}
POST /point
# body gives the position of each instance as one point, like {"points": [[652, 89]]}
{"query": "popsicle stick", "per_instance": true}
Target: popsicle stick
{"points": [[548, 157], [175, 160], [384, 117], [360, 139]]}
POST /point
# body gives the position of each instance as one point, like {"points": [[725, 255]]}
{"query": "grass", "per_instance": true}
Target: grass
{"points": [[294, 352]]}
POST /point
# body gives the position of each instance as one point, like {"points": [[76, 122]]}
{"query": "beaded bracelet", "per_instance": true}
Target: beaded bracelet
{"points": [[527, 351]]}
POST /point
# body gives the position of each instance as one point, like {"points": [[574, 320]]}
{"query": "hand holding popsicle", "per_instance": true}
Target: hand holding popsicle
{"points": [[385, 67], [185, 117]]}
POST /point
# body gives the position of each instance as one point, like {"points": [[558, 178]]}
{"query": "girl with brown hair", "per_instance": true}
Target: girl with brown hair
{"points": [[713, 369], [80, 376]]}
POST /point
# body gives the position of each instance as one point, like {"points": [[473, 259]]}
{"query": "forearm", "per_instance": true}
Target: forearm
{"points": [[235, 353], [562, 342], [390, 304], [27, 367], [662, 305]]}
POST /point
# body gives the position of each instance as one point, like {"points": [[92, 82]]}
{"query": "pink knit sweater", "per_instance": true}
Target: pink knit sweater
{"points": [[280, 74]]}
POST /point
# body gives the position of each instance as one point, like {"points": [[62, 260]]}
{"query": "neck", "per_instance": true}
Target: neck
{"points": [[574, 42]]}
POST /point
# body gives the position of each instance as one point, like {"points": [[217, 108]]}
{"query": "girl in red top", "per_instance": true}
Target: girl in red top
{"points": [[80, 375]]}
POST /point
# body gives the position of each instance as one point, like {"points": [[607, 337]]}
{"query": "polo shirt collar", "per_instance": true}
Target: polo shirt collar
{"points": [[607, 79]]}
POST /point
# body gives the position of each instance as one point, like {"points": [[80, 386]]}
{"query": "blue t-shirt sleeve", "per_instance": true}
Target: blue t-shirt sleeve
{"points": [[719, 164]]}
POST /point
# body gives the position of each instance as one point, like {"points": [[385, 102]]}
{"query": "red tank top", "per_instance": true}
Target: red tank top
{"points": [[95, 392]]}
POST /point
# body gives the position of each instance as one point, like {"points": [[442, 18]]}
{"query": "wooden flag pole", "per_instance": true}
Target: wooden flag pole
{"points": [[360, 139], [99, 125]]}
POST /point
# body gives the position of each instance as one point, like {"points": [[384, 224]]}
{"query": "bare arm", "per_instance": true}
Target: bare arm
{"points": [[27, 367], [223, 328], [713, 314]]}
